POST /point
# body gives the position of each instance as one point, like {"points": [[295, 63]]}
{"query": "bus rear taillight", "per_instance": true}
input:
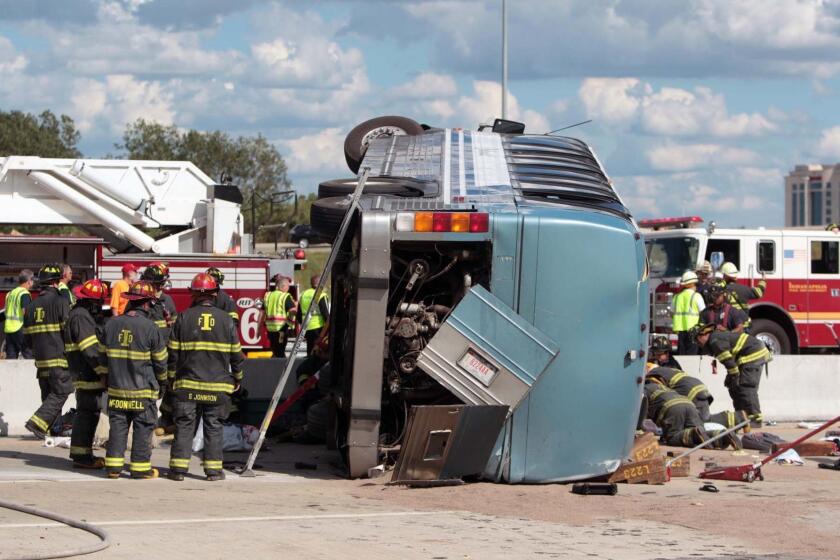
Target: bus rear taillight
{"points": [[443, 222]]}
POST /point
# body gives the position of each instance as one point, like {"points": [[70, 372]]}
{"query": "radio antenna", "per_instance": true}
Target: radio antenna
{"points": [[570, 126]]}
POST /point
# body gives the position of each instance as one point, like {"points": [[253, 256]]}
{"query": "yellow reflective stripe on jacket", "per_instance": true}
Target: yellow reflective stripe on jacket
{"points": [[160, 356], [56, 362], [40, 329], [763, 354], [81, 345], [695, 391], [234, 315], [128, 354], [101, 370], [676, 378], [161, 323], [742, 340], [203, 386], [206, 346], [671, 403], [88, 385], [723, 356], [132, 393]]}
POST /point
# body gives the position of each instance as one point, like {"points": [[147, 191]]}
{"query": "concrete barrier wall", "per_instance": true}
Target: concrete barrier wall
{"points": [[797, 388]]}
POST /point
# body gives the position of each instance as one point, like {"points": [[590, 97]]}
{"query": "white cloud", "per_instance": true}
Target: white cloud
{"points": [[427, 85], [683, 157], [667, 112], [118, 100], [485, 104], [317, 152], [10, 60], [829, 143]]}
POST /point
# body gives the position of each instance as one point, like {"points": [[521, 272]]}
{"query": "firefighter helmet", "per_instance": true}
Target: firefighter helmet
{"points": [[217, 275], [715, 290], [156, 273], [49, 273], [659, 345], [140, 291], [729, 269], [688, 278], [92, 289], [203, 283], [701, 329], [705, 268]]}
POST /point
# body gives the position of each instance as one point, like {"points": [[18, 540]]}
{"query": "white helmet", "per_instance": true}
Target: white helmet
{"points": [[688, 278], [729, 269]]}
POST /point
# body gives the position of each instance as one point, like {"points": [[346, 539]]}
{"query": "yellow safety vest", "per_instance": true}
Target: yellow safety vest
{"points": [[275, 310], [14, 310], [316, 321], [62, 287], [686, 311]]}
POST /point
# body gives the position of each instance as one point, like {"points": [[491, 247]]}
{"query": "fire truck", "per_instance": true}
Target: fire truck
{"points": [[800, 309], [135, 212]]}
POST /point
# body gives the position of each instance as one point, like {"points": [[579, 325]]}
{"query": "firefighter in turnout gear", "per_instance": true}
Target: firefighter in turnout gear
{"points": [[675, 414], [135, 354], [205, 368], [223, 301], [744, 356], [660, 352], [739, 295], [83, 333], [690, 387], [320, 313], [278, 315], [719, 312], [43, 328], [162, 313], [688, 305]]}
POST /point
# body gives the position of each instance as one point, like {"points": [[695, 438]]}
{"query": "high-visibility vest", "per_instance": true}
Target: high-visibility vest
{"points": [[275, 310], [316, 321], [14, 310], [62, 288], [686, 310]]}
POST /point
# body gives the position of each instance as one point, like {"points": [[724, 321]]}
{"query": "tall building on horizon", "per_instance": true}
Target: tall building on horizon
{"points": [[812, 195]]}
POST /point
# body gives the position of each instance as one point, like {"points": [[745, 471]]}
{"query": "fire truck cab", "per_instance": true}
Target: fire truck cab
{"points": [[800, 309]]}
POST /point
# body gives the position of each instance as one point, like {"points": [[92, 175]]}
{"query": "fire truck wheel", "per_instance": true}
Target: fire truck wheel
{"points": [[358, 140], [772, 335], [326, 215], [395, 186]]}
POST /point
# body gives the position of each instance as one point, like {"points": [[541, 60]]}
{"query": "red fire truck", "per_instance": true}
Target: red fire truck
{"points": [[197, 224], [800, 310]]}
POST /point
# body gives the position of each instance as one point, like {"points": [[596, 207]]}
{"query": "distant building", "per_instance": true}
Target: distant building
{"points": [[812, 196]]}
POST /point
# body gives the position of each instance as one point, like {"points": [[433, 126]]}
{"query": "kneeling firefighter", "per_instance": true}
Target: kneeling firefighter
{"points": [[676, 415], [83, 334], [205, 368], [135, 355]]}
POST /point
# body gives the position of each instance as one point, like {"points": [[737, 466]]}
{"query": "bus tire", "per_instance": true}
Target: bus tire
{"points": [[772, 334], [326, 215], [358, 140], [396, 186]]}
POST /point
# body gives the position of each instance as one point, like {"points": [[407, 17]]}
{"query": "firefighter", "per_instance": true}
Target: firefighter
{"points": [[135, 355], [43, 327], [675, 414], [690, 387], [162, 313], [705, 277], [739, 295], [205, 368], [223, 301], [743, 355], [661, 354], [720, 313], [278, 315], [688, 305], [63, 285], [320, 312], [833, 228], [16, 302], [83, 334]]}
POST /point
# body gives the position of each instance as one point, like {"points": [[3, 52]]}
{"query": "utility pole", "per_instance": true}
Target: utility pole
{"points": [[504, 59]]}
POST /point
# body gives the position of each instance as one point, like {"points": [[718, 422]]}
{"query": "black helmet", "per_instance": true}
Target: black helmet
{"points": [[702, 328], [155, 274], [49, 273], [660, 344], [715, 290], [216, 274]]}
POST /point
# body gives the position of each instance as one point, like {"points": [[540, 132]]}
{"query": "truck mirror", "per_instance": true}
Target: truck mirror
{"points": [[503, 126], [716, 260]]}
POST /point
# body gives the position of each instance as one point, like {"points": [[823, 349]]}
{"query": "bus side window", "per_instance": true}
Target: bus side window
{"points": [[731, 249], [766, 257], [824, 257]]}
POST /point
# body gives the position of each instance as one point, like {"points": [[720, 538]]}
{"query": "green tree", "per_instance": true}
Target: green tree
{"points": [[252, 163], [45, 135]]}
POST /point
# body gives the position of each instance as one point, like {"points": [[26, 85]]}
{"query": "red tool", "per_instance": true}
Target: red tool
{"points": [[282, 408], [748, 473]]}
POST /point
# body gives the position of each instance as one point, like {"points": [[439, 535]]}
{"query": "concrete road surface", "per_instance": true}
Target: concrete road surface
{"points": [[315, 514]]}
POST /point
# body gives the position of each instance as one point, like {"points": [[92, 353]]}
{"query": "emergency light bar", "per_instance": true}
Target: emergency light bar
{"points": [[443, 222], [671, 223]]}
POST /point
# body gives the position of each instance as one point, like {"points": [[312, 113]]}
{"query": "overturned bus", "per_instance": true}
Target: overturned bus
{"points": [[485, 267]]}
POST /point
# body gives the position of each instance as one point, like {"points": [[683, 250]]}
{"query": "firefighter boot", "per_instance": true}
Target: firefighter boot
{"points": [[216, 477], [90, 462], [175, 475], [145, 475]]}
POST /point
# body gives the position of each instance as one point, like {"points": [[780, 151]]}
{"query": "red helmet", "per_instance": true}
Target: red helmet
{"points": [[140, 291], [203, 283], [92, 289]]}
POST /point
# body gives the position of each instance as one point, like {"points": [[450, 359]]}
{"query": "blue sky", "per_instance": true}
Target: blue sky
{"points": [[698, 106]]}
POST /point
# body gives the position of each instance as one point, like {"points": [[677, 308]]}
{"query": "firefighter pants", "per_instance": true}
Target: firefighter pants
{"points": [[56, 385], [212, 412], [681, 426], [16, 346], [278, 341], [745, 393], [311, 338], [88, 407], [140, 415], [727, 419], [167, 409]]}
